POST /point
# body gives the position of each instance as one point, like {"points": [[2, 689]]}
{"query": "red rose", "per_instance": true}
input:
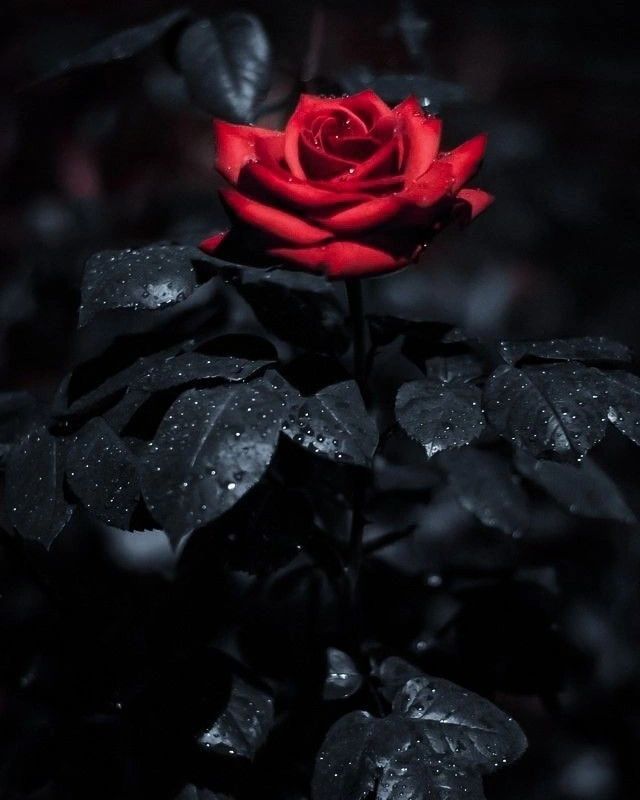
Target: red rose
{"points": [[350, 188]]}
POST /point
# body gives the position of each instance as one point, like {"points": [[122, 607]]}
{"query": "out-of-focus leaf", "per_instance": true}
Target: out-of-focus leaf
{"points": [[343, 677], [121, 45], [227, 65], [17, 410], [583, 489], [485, 486]]}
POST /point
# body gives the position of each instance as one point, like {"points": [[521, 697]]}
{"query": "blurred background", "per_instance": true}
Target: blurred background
{"points": [[119, 156]]}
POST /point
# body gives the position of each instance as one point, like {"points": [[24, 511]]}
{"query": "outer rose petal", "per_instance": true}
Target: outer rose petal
{"points": [[273, 221], [403, 207], [465, 159], [212, 243], [476, 201], [236, 145], [423, 137], [344, 259], [275, 182]]}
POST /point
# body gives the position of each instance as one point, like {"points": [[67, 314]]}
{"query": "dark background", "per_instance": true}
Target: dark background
{"points": [[108, 158]]}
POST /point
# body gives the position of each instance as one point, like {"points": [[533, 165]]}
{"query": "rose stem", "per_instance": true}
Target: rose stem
{"points": [[358, 521]]}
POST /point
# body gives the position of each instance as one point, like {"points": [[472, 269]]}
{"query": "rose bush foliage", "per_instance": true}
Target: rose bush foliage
{"points": [[351, 187]]}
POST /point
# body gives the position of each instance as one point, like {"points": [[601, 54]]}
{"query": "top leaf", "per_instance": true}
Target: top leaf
{"points": [[584, 348], [121, 45], [227, 65]]}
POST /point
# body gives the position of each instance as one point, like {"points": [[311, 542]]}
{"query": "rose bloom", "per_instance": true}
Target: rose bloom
{"points": [[350, 188]]}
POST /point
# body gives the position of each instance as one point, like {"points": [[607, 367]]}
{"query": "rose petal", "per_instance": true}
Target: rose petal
{"points": [[465, 159], [272, 221], [346, 259], [271, 181], [404, 208], [317, 163], [475, 200], [422, 133], [212, 243], [236, 145], [366, 105]]}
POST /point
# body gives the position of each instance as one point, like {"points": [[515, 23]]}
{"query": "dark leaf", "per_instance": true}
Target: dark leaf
{"points": [[584, 489], [192, 792], [17, 410], [394, 87], [299, 308], [485, 486], [335, 423], [34, 494], [460, 724], [465, 366], [163, 371], [440, 414], [145, 278], [384, 329], [243, 725], [558, 410], [103, 474], [121, 45], [211, 447], [343, 677], [623, 398], [227, 65], [393, 673], [584, 348]]}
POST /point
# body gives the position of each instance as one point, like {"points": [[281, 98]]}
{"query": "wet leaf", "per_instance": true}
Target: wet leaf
{"points": [[440, 414], [299, 308], [460, 724], [103, 473], [623, 398], [484, 485], [343, 677], [227, 65], [211, 447], [584, 489], [192, 792], [146, 278], [334, 423], [558, 410], [244, 724], [121, 45], [584, 348], [34, 494]]}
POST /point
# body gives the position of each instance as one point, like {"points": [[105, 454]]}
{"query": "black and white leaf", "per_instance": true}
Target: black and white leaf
{"points": [[34, 487], [191, 792], [212, 446], [393, 673], [466, 366], [165, 370], [334, 423], [460, 724], [623, 398], [298, 307], [103, 473], [138, 279], [558, 410], [243, 725], [343, 677], [440, 414], [226, 64], [122, 45], [485, 486], [17, 412], [582, 489], [584, 348]]}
